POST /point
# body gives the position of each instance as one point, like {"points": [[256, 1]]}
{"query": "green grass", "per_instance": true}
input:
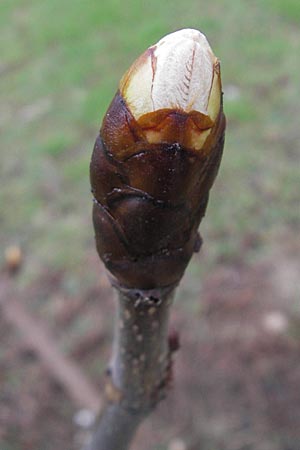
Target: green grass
{"points": [[60, 64]]}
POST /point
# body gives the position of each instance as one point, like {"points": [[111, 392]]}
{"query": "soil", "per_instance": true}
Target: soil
{"points": [[236, 376]]}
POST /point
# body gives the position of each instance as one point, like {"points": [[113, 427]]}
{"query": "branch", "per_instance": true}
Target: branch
{"points": [[140, 368], [153, 165]]}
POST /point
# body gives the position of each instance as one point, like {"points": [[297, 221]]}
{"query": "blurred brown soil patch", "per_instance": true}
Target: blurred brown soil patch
{"points": [[236, 377]]}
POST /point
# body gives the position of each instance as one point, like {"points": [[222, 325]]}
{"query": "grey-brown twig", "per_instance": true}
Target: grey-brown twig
{"points": [[153, 165], [141, 366]]}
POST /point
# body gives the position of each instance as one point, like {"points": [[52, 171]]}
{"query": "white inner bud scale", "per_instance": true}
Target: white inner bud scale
{"points": [[176, 73], [187, 60]]}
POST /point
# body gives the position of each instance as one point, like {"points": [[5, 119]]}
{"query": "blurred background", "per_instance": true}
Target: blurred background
{"points": [[237, 375]]}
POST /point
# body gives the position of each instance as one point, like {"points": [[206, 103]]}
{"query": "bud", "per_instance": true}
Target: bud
{"points": [[180, 73], [155, 160]]}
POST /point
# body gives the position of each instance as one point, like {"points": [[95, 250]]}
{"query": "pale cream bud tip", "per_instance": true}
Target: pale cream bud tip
{"points": [[177, 73]]}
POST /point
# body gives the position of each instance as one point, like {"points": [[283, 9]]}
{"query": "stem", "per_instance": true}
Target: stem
{"points": [[140, 368]]}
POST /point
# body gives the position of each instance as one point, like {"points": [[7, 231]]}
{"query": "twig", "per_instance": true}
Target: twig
{"points": [[153, 164], [141, 366]]}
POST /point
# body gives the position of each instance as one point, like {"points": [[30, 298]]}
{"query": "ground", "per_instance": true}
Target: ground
{"points": [[237, 374]]}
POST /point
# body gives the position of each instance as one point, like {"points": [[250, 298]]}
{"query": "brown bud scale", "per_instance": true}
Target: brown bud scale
{"points": [[151, 196]]}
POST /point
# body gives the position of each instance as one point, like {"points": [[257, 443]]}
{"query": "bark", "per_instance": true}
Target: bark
{"points": [[141, 365]]}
